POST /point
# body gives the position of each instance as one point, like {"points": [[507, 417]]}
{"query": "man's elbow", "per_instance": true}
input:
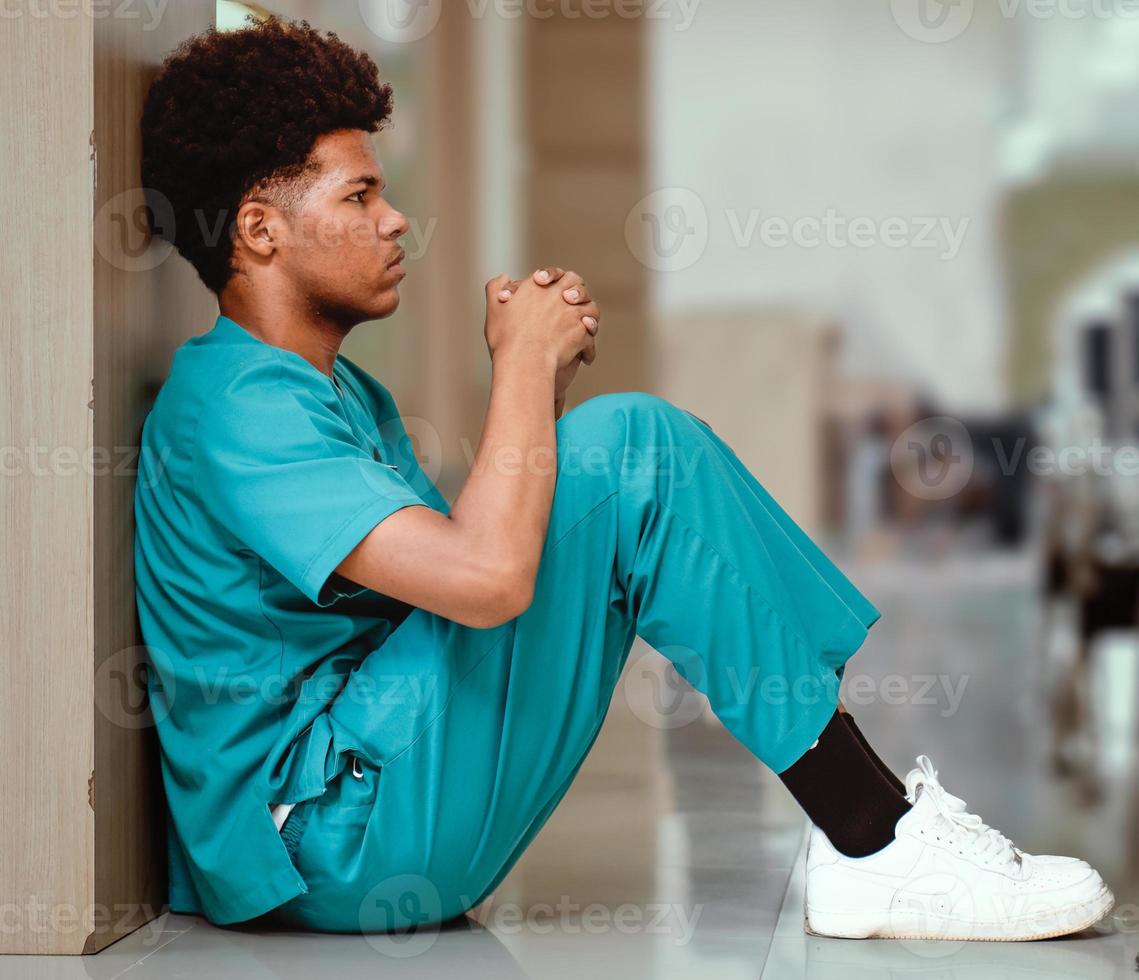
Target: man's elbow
{"points": [[506, 595]]}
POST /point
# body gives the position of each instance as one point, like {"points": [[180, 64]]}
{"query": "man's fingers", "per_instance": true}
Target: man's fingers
{"points": [[576, 294], [495, 285], [509, 290], [548, 274], [591, 317]]}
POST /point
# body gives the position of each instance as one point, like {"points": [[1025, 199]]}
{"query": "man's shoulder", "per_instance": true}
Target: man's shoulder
{"points": [[226, 379], [201, 377]]}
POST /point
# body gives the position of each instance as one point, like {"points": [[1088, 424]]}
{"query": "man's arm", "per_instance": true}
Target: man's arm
{"points": [[478, 564]]}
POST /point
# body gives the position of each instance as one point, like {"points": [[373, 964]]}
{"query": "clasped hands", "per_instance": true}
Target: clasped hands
{"points": [[555, 311]]}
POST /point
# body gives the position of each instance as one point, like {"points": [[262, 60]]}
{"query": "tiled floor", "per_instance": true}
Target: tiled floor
{"points": [[676, 855]]}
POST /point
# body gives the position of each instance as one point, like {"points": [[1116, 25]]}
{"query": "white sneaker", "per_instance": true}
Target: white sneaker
{"points": [[947, 876], [925, 774]]}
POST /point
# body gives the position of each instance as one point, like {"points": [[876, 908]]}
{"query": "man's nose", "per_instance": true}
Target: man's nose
{"points": [[394, 226]]}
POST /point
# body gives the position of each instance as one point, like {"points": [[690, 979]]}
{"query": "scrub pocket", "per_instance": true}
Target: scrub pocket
{"points": [[324, 834]]}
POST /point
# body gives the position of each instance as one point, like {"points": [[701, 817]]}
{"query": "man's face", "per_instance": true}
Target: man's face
{"points": [[344, 249]]}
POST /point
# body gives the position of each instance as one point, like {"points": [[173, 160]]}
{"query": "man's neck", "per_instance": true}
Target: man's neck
{"points": [[311, 334]]}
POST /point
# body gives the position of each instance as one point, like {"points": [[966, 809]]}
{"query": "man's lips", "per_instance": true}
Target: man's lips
{"points": [[397, 260]]}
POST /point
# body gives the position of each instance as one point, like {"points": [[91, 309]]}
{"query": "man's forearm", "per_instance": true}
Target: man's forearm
{"points": [[505, 501]]}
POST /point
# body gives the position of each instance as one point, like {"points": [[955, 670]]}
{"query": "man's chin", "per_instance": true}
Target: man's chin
{"points": [[386, 304]]}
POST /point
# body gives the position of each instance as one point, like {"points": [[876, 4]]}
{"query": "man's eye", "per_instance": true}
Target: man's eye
{"points": [[358, 197]]}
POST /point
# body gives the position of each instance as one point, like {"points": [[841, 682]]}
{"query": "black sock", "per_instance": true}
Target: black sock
{"points": [[844, 793], [882, 767]]}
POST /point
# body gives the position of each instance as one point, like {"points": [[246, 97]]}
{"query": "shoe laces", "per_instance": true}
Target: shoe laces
{"points": [[984, 842]]}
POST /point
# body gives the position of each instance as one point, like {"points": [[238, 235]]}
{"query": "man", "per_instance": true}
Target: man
{"points": [[369, 701]]}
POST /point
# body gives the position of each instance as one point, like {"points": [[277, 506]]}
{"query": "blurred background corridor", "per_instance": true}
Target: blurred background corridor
{"points": [[890, 252]]}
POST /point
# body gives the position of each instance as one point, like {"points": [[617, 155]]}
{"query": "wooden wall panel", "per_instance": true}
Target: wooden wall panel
{"points": [[46, 596], [91, 315]]}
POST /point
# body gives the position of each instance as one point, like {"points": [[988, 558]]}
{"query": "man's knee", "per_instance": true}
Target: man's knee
{"points": [[607, 419], [620, 402], [621, 436]]}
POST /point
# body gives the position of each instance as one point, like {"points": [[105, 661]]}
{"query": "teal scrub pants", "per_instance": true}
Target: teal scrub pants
{"points": [[467, 739]]}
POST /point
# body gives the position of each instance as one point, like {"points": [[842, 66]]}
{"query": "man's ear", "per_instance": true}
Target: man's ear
{"points": [[260, 228]]}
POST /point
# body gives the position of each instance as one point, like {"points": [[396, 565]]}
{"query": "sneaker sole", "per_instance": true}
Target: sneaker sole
{"points": [[857, 925]]}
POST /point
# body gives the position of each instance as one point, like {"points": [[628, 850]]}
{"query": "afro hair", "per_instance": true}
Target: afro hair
{"points": [[231, 111]]}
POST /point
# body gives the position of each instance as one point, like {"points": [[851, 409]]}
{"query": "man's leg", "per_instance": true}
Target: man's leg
{"points": [[655, 529], [818, 560], [884, 769], [826, 568]]}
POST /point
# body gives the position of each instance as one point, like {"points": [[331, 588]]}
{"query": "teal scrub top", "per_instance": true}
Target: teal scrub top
{"points": [[258, 474]]}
